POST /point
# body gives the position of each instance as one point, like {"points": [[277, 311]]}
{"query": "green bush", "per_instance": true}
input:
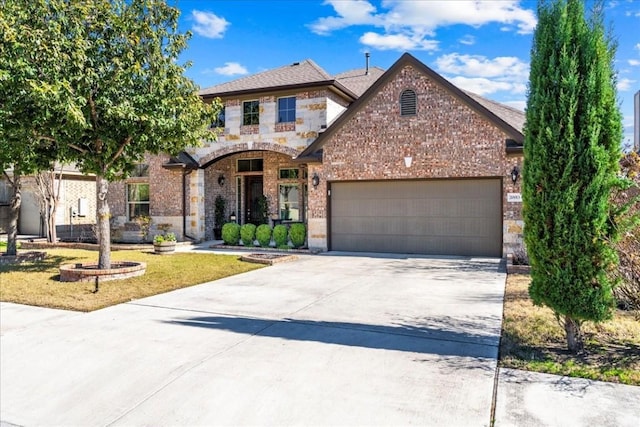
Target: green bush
{"points": [[263, 234], [248, 234], [280, 235], [231, 233], [297, 234]]}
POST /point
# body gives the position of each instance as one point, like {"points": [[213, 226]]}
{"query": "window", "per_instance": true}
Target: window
{"points": [[219, 122], [408, 103], [250, 113], [289, 173], [250, 165], [138, 200], [287, 109], [288, 202], [140, 170], [6, 192]]}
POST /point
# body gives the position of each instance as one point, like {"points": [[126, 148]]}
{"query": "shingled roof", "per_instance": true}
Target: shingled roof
{"points": [[510, 115], [358, 81], [297, 74]]}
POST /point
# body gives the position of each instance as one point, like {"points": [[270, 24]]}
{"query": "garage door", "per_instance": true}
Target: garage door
{"points": [[435, 217]]}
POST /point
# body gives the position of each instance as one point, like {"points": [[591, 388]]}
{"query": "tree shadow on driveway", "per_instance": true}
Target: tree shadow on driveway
{"points": [[416, 338]]}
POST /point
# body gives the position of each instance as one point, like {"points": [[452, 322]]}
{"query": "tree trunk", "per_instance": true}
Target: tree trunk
{"points": [[14, 213], [51, 220], [103, 230], [575, 341]]}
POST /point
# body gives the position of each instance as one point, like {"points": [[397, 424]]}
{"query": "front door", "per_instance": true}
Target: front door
{"points": [[253, 193]]}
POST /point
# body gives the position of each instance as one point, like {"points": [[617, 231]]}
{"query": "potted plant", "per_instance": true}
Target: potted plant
{"points": [[164, 243], [219, 216]]}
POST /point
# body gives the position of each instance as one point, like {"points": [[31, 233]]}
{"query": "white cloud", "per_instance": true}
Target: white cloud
{"points": [[480, 85], [481, 66], [637, 46], [483, 75], [634, 62], [412, 22], [231, 69], [468, 40], [397, 42], [208, 24], [625, 84]]}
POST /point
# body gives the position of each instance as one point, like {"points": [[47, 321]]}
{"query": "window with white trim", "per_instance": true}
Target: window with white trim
{"points": [[288, 202], [137, 200], [287, 109]]}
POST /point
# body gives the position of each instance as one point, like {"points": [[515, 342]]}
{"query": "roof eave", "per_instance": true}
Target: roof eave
{"points": [[340, 89]]}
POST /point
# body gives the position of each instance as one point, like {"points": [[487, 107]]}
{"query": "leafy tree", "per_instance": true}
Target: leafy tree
{"points": [[29, 50], [571, 153], [122, 92]]}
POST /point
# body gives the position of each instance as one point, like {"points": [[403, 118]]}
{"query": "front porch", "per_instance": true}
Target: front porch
{"points": [[258, 184]]}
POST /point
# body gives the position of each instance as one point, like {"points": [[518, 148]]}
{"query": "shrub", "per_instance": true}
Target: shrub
{"points": [[248, 234], [297, 234], [280, 235], [263, 234], [231, 233]]}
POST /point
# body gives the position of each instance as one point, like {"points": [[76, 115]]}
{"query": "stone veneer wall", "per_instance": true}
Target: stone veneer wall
{"points": [[311, 117], [446, 139]]}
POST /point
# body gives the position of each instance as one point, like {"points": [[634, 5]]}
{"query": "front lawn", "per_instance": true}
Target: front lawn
{"points": [[37, 283], [533, 340]]}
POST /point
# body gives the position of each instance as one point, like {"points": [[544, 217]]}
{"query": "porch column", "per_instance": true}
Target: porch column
{"points": [[195, 222], [317, 210]]}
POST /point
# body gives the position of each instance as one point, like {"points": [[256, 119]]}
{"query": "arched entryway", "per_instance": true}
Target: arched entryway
{"points": [[257, 186]]}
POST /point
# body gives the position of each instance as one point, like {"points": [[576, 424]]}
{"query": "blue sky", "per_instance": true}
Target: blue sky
{"points": [[481, 46]]}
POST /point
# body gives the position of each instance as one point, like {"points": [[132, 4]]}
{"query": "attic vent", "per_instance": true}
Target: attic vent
{"points": [[408, 103], [295, 63]]}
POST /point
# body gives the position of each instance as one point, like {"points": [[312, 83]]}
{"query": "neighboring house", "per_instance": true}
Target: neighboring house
{"points": [[396, 161], [76, 212]]}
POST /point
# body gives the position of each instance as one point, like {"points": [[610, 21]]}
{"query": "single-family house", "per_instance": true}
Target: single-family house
{"points": [[378, 161]]}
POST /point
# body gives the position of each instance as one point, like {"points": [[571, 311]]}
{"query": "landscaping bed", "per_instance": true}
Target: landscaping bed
{"points": [[533, 340]]}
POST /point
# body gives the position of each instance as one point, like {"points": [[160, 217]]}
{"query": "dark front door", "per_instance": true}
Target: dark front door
{"points": [[253, 192]]}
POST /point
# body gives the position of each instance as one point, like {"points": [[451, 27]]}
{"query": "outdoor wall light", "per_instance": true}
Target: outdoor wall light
{"points": [[232, 217], [221, 180], [315, 180], [515, 173]]}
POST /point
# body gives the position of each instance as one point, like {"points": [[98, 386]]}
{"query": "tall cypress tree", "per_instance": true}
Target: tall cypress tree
{"points": [[571, 153]]}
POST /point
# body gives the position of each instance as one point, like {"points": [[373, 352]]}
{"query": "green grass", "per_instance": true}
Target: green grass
{"points": [[533, 340], [37, 283]]}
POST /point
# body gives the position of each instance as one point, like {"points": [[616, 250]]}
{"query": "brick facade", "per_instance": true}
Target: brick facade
{"points": [[165, 200], [446, 139]]}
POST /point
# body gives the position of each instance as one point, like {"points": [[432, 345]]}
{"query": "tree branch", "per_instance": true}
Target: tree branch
{"points": [[121, 148], [78, 148]]}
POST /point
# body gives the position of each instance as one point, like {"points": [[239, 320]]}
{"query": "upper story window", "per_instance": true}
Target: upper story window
{"points": [[250, 113], [219, 122], [408, 103], [287, 109]]}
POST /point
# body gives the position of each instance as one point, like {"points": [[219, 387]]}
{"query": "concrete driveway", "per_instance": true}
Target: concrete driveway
{"points": [[324, 340]]}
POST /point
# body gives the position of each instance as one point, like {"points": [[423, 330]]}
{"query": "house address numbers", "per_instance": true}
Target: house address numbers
{"points": [[514, 197]]}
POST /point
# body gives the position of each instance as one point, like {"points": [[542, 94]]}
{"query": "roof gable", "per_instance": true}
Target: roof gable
{"points": [[505, 118]]}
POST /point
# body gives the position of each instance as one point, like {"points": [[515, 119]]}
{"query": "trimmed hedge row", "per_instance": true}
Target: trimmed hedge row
{"points": [[296, 234]]}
